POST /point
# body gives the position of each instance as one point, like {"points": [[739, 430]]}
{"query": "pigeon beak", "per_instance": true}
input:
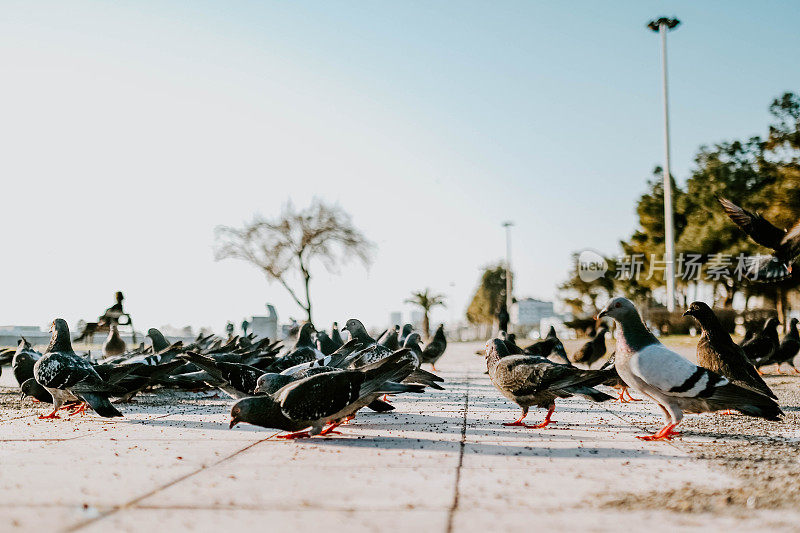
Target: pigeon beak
{"points": [[688, 312], [233, 423], [22, 396], [601, 314], [344, 329]]}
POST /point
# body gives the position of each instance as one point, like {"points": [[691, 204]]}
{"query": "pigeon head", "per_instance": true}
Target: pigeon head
{"points": [[412, 340], [397, 328], [407, 329], [496, 349], [59, 341], [23, 344], [270, 383], [619, 309], [258, 410], [159, 341], [771, 324], [31, 388], [698, 310], [793, 322], [356, 329], [304, 335]]}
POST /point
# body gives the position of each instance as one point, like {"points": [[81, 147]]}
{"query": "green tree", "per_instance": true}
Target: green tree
{"points": [[489, 296], [426, 300]]}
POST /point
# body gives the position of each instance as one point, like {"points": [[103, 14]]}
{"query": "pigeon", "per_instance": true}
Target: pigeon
{"points": [[551, 348], [763, 345], [593, 350], [159, 341], [789, 347], [304, 407], [407, 329], [616, 382], [784, 243], [391, 339], [64, 374], [749, 333], [534, 380], [673, 382], [114, 344], [234, 379], [336, 337], [717, 352], [357, 331], [325, 344], [434, 350], [23, 361]]}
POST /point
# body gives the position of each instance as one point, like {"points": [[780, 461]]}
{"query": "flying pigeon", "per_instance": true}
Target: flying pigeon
{"points": [[674, 383], [764, 344], [63, 373], [329, 397], [785, 243], [717, 352], [114, 344], [534, 380], [434, 350], [593, 350]]}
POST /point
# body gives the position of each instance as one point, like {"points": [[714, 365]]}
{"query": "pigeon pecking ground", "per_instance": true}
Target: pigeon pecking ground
{"points": [[442, 461]]}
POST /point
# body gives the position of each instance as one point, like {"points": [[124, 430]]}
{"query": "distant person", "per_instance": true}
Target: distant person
{"points": [[503, 318], [113, 313], [245, 327]]}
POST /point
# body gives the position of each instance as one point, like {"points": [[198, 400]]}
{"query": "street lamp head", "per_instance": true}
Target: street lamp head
{"points": [[670, 23]]}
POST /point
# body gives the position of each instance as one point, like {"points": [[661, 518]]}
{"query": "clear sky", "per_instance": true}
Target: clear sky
{"points": [[130, 129]]}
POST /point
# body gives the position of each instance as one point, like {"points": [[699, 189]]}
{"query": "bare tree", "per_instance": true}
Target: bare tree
{"points": [[427, 301], [291, 243]]}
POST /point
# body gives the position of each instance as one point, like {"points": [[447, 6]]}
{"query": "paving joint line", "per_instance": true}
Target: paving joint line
{"points": [[133, 502], [456, 491]]}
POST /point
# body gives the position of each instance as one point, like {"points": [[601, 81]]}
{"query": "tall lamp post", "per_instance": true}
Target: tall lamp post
{"points": [[509, 299], [662, 26]]}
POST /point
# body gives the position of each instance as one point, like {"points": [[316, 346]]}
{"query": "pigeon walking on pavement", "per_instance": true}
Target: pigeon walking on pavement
{"points": [[677, 385], [789, 347], [717, 352], [593, 350], [306, 406], [434, 350], [764, 344], [532, 380], [784, 243], [64, 374]]}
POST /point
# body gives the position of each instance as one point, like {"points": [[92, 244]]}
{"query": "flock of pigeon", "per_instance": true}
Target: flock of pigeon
{"points": [[725, 379], [309, 388]]}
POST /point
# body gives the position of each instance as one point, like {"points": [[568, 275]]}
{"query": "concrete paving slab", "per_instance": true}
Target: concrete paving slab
{"points": [[440, 462]]}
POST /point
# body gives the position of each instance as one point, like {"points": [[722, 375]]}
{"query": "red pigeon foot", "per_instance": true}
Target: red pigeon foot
{"points": [[295, 435]]}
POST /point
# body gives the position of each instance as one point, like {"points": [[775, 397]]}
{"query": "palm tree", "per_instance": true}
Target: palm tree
{"points": [[427, 301]]}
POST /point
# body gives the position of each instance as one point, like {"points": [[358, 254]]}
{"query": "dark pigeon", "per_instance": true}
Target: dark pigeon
{"points": [[65, 375], [593, 350], [434, 350], [717, 352], [789, 347], [764, 344]]}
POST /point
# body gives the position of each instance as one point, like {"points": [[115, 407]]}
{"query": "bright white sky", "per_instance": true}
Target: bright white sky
{"points": [[130, 129]]}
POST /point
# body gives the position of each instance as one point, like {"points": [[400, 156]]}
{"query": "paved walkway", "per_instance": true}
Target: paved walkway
{"points": [[442, 462]]}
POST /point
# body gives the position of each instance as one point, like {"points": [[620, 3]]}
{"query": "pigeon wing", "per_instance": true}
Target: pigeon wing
{"points": [[320, 396], [671, 374], [754, 225]]}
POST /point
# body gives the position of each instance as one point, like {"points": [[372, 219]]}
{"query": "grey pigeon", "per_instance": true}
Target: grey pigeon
{"points": [[407, 329], [159, 341], [434, 350], [326, 398], [532, 380], [336, 337], [784, 243], [390, 340], [65, 375], [674, 383], [717, 352]]}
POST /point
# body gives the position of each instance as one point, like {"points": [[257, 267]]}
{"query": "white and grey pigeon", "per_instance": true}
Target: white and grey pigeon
{"points": [[673, 382], [66, 376]]}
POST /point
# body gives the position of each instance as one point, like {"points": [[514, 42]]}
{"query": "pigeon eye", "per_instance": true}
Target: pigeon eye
{"points": [[617, 305]]}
